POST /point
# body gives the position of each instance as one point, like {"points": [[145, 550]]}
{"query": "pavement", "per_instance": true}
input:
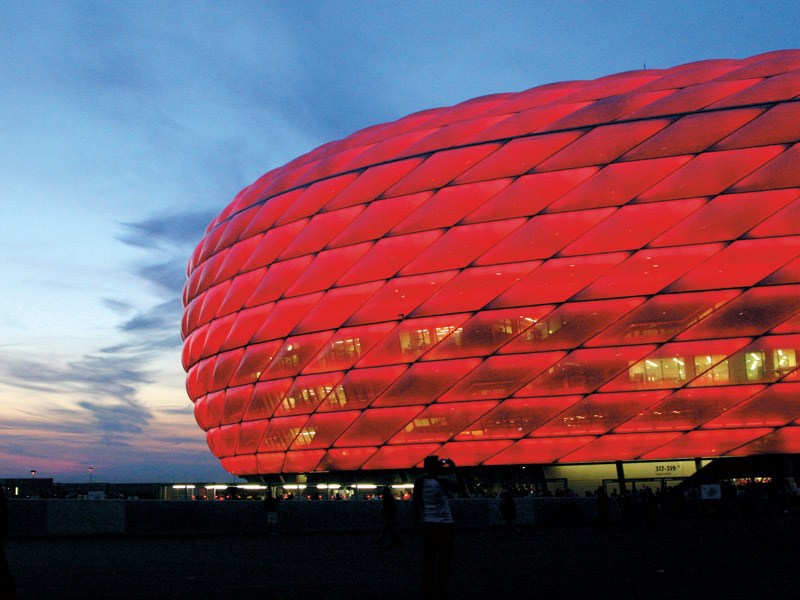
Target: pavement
{"points": [[728, 557]]}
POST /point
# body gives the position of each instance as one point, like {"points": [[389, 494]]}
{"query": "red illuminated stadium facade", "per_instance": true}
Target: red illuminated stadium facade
{"points": [[584, 272]]}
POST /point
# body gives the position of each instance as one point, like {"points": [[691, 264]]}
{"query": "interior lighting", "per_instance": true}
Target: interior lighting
{"points": [[365, 486], [251, 486]]}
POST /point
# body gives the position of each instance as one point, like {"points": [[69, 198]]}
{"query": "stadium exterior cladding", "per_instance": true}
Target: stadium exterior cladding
{"points": [[587, 271]]}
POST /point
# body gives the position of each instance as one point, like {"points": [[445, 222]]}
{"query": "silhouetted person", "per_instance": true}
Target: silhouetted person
{"points": [[271, 508], [508, 512], [603, 508], [431, 509], [7, 588], [389, 518]]}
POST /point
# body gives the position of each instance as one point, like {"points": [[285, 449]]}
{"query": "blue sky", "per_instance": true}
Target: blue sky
{"points": [[127, 126]]}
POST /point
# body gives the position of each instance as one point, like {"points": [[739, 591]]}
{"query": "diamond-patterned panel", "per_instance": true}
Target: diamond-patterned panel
{"points": [[586, 271]]}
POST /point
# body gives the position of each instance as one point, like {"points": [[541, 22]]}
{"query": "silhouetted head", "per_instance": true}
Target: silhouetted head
{"points": [[432, 464]]}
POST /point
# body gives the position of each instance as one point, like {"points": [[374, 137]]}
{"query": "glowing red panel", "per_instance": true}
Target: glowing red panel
{"points": [[789, 326], [790, 273], [337, 306], [225, 368], [516, 417], [272, 245], [606, 109], [542, 236], [440, 169], [528, 119], [400, 457], [302, 461], [741, 264], [236, 400], [400, 297], [388, 256], [765, 360], [409, 340], [618, 183], [570, 325], [373, 182], [710, 174], [782, 441], [360, 387], [306, 393], [775, 406], [321, 430], [754, 312], [319, 231], [277, 280], [619, 447], [688, 408], [347, 346], [583, 371], [597, 414], [378, 218], [326, 268], [603, 144], [725, 218], [544, 450], [518, 156], [693, 133], [706, 443], [675, 364], [440, 422], [558, 279], [451, 135], [500, 376], [780, 124], [661, 317], [780, 87], [424, 381], [648, 271], [473, 288], [486, 332], [345, 459], [281, 433], [267, 395], [460, 246], [530, 194], [376, 425], [239, 465], [784, 222], [315, 197], [472, 453], [271, 462], [690, 99], [449, 205], [631, 227], [250, 435], [605, 252]]}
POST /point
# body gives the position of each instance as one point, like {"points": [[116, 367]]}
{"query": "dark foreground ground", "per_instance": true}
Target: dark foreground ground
{"points": [[686, 558]]}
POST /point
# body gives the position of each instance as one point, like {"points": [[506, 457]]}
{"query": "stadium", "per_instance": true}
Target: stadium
{"points": [[587, 281]]}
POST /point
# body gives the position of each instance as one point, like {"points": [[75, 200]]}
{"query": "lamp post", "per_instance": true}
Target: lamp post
{"points": [[33, 473], [90, 481]]}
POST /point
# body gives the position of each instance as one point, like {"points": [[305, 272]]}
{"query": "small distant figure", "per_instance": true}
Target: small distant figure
{"points": [[7, 588], [271, 508], [431, 509], [603, 508], [389, 518], [508, 512]]}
